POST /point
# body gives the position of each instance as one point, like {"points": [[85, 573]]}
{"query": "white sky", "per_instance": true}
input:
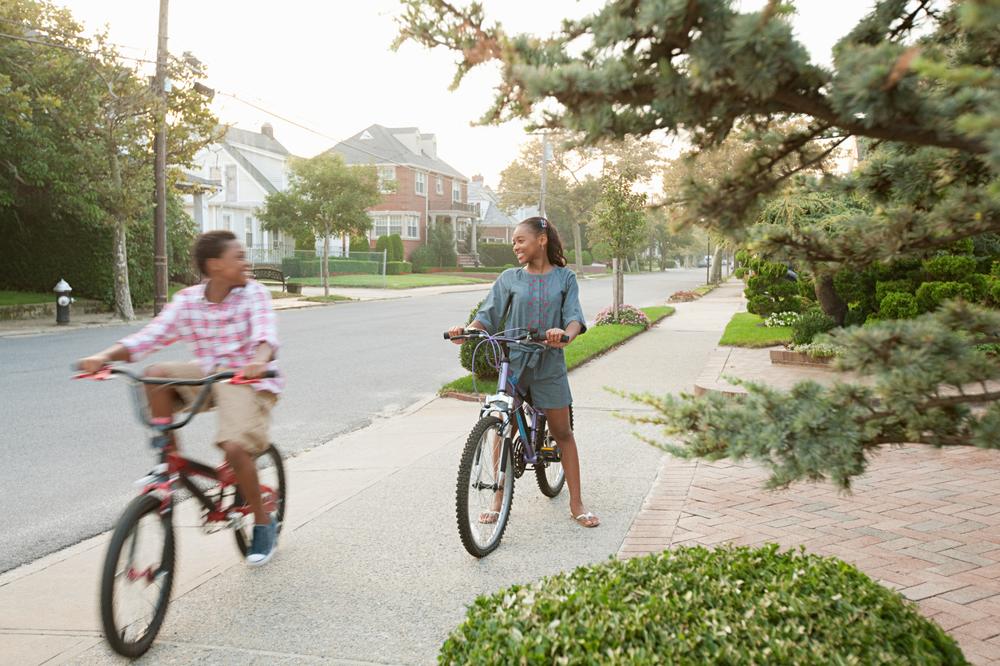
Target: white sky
{"points": [[328, 65]]}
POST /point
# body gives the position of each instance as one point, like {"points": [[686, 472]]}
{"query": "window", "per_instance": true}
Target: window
{"points": [[248, 231], [386, 175], [407, 225], [420, 184], [214, 173], [456, 191], [439, 186], [227, 222], [230, 183]]}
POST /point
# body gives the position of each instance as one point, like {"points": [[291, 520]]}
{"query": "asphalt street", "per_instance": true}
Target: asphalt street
{"points": [[72, 448]]}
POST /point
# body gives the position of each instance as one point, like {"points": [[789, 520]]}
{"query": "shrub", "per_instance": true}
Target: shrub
{"points": [[992, 294], [930, 295], [731, 605], [627, 314], [484, 368], [897, 305], [395, 248], [949, 268], [601, 252], [441, 242], [980, 284], [769, 290], [361, 244], [421, 258], [398, 267], [810, 324], [382, 245], [883, 287], [588, 258], [496, 254], [684, 296], [298, 267]]}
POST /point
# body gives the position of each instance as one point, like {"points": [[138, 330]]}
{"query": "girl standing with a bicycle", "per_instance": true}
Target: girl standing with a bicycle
{"points": [[541, 296]]}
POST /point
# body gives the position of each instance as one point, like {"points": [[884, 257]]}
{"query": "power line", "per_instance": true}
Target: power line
{"points": [[50, 32], [65, 47]]}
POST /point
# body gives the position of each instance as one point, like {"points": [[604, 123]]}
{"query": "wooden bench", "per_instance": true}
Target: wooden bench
{"points": [[262, 273]]}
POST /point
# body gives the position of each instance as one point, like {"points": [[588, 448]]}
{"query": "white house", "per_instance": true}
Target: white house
{"points": [[495, 226], [230, 183]]}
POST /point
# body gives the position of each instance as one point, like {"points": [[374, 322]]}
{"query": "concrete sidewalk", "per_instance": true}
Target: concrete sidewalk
{"points": [[370, 568]]}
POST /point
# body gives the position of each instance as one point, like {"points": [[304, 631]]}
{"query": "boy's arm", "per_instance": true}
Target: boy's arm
{"points": [[155, 335], [264, 334], [116, 352]]}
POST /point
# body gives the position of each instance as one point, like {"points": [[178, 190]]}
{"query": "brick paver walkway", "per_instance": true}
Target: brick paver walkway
{"points": [[923, 521]]}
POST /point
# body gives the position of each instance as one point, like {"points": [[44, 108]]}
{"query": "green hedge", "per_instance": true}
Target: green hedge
{"points": [[898, 305], [930, 295], [299, 267], [398, 267], [497, 254], [699, 606]]}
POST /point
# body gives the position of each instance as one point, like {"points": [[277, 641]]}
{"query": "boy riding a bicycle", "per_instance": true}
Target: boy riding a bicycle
{"points": [[230, 324]]}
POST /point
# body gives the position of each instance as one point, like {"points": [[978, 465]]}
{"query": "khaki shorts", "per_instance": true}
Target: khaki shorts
{"points": [[244, 413]]}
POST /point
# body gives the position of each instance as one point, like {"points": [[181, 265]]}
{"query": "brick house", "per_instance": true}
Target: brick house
{"points": [[427, 190], [495, 226]]}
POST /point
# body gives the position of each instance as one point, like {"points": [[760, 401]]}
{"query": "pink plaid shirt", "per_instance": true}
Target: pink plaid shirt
{"points": [[223, 335]]}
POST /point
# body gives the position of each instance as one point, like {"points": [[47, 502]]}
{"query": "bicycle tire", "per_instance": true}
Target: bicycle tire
{"points": [[549, 489], [134, 512], [465, 468], [243, 540]]}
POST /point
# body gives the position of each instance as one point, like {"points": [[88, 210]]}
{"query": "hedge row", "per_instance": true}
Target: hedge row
{"points": [[398, 267], [300, 267]]}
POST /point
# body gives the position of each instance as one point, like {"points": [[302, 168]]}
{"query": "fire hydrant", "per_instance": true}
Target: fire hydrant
{"points": [[63, 301]]}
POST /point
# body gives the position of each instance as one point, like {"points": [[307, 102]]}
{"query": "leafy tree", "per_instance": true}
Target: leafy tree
{"points": [[77, 130], [620, 221], [912, 80], [325, 197]]}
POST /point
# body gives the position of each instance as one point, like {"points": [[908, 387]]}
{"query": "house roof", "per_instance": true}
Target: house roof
{"points": [[378, 145], [248, 166], [257, 140], [492, 216]]}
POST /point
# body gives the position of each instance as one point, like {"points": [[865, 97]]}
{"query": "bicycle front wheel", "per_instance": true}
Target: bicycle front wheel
{"points": [[137, 577], [485, 488]]}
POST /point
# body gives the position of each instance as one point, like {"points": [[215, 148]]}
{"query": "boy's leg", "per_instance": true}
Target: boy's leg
{"points": [[244, 421], [245, 471], [164, 401]]}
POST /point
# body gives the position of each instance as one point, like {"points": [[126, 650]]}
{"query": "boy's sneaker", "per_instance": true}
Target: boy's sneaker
{"points": [[265, 541]]}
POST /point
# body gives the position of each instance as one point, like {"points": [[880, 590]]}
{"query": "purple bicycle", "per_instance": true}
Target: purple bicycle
{"points": [[510, 436]]}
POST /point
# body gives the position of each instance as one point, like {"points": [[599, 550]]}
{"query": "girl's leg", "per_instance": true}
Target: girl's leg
{"points": [[559, 428]]}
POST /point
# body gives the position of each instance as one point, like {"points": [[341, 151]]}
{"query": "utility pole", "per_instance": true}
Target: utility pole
{"points": [[160, 167], [708, 261], [545, 164]]}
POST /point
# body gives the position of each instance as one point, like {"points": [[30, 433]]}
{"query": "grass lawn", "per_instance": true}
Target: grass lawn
{"points": [[747, 330], [332, 298], [25, 297], [596, 341], [392, 281]]}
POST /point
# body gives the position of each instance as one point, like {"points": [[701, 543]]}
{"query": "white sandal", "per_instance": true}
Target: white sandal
{"points": [[587, 517]]}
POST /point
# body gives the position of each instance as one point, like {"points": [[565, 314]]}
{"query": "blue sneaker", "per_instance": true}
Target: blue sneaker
{"points": [[265, 541]]}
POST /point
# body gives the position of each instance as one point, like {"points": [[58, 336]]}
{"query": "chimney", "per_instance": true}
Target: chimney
{"points": [[478, 179], [267, 130]]}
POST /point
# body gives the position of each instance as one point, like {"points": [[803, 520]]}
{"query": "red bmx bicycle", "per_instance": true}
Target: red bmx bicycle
{"points": [[139, 566]]}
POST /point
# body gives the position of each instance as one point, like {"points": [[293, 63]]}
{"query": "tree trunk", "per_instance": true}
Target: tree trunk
{"points": [[716, 265], [578, 247], [326, 262], [615, 293], [831, 302], [123, 293]]}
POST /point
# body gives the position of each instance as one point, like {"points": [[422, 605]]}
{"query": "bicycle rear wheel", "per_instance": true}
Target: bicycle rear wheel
{"points": [[550, 474], [485, 488], [271, 476], [137, 577]]}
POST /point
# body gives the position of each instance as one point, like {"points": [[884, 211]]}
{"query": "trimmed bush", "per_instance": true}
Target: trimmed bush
{"points": [[884, 287], [730, 605], [421, 258], [360, 244], [497, 254], [949, 268], [627, 314], [769, 290], [930, 295], [297, 267], [588, 258], [484, 359], [382, 245], [396, 250], [810, 324], [898, 305], [398, 267]]}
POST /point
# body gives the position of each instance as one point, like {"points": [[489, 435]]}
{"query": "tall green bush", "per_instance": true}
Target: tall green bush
{"points": [[395, 248], [441, 243], [730, 605], [898, 305], [382, 245], [360, 244], [498, 254], [769, 290]]}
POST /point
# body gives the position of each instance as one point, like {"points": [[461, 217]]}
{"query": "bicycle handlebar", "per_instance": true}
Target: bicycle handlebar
{"points": [[476, 333], [210, 379]]}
